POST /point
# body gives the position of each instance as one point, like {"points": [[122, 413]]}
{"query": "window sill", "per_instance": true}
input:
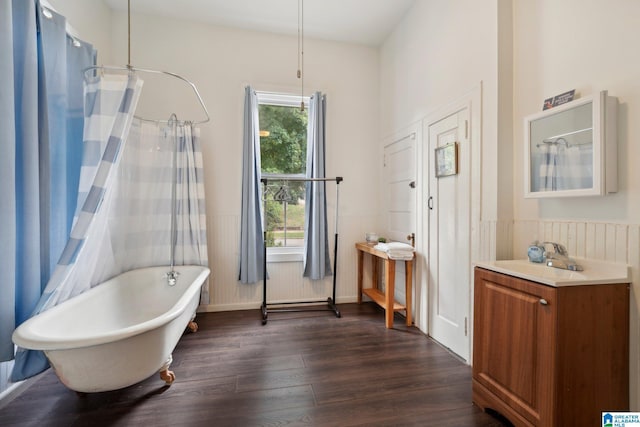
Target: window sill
{"points": [[285, 255]]}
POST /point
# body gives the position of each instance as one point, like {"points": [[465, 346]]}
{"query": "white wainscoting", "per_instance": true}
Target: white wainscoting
{"points": [[286, 282]]}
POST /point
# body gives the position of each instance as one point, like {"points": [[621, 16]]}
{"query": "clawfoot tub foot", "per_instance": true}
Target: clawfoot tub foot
{"points": [[193, 326], [167, 376]]}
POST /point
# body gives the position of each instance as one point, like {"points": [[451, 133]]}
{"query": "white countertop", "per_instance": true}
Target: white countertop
{"points": [[595, 272]]}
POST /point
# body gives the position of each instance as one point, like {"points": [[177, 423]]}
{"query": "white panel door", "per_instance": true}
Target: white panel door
{"points": [[400, 197], [399, 182], [449, 236]]}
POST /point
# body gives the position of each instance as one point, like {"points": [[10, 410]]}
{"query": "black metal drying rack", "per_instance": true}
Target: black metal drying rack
{"points": [[288, 306]]}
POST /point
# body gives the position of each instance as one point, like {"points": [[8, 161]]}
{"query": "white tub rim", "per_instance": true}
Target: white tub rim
{"points": [[25, 337]]}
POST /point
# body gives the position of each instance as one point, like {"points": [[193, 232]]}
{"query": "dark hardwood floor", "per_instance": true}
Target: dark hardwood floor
{"points": [[300, 369]]}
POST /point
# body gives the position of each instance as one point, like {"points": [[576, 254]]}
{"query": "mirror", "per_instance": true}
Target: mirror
{"points": [[570, 149]]}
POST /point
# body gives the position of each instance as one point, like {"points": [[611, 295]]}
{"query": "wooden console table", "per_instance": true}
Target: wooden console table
{"points": [[385, 299]]}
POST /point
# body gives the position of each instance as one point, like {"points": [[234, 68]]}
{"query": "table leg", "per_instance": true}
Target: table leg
{"points": [[390, 278], [374, 272], [408, 267], [360, 256]]}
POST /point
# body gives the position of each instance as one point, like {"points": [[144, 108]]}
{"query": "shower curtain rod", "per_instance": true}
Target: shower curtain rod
{"points": [[132, 69]]}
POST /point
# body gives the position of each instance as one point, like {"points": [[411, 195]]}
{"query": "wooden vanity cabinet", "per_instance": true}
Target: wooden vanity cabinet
{"points": [[547, 356]]}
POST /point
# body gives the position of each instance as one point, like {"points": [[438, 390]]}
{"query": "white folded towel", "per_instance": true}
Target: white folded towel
{"points": [[400, 255], [396, 250], [394, 247]]}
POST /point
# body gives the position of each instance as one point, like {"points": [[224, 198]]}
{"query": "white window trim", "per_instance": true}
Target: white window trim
{"points": [[283, 253], [282, 99]]}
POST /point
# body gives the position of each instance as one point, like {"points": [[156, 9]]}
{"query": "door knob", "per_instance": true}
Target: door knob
{"points": [[412, 238]]}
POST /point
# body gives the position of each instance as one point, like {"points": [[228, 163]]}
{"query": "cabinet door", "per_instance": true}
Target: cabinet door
{"points": [[514, 332]]}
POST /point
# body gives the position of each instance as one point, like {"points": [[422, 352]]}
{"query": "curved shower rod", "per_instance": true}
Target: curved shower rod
{"points": [[132, 69]]}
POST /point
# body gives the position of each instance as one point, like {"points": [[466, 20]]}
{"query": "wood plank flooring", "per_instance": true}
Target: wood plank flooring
{"points": [[300, 369]]}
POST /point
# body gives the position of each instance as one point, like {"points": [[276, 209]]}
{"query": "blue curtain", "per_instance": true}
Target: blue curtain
{"points": [[40, 130], [62, 60], [317, 263], [251, 229]]}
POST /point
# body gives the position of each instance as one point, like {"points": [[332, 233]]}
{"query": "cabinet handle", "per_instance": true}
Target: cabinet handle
{"points": [[544, 301]]}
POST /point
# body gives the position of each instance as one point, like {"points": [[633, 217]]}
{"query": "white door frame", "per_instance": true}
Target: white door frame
{"points": [[473, 101]]}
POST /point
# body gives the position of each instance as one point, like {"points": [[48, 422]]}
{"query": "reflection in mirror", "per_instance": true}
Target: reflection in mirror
{"points": [[561, 148]]}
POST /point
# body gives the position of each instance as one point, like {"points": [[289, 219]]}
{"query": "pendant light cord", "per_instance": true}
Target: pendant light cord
{"points": [[128, 33], [301, 51]]}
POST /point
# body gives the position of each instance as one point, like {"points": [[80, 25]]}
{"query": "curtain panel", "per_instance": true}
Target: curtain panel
{"points": [[317, 263], [41, 103], [251, 216]]}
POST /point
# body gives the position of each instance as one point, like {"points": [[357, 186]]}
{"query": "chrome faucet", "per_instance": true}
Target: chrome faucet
{"points": [[172, 277], [559, 258]]}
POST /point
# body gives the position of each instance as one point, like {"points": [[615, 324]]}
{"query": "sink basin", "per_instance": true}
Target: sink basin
{"points": [[594, 272]]}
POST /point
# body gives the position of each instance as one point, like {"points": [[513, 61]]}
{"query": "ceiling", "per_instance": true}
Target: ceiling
{"points": [[367, 22]]}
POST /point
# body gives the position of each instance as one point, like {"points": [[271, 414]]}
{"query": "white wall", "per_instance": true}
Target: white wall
{"points": [[439, 53], [92, 21], [591, 47], [587, 45], [221, 62]]}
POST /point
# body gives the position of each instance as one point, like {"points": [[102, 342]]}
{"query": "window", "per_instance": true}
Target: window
{"points": [[283, 154]]}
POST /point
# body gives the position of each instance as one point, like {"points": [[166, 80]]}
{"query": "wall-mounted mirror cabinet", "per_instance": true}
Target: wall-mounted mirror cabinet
{"points": [[571, 150]]}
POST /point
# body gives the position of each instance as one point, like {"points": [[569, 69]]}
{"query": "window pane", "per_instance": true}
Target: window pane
{"points": [[283, 139], [283, 151], [284, 213]]}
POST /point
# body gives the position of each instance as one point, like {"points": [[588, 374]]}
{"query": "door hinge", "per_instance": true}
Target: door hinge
{"points": [[465, 327], [466, 129]]}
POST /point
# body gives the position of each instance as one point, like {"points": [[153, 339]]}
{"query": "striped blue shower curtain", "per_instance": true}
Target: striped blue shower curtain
{"points": [[141, 212], [41, 121]]}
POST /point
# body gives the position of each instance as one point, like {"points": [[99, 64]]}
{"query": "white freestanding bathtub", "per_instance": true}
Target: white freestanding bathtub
{"points": [[118, 333]]}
